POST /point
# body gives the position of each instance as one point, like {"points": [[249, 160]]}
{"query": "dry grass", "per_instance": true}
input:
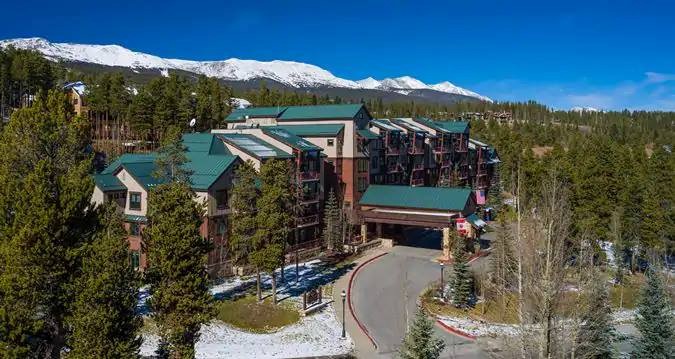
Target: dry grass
{"points": [[259, 317]]}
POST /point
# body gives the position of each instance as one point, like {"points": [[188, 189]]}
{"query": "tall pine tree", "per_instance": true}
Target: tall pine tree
{"points": [[45, 201], [244, 197], [332, 231], [272, 220], [104, 321], [461, 281], [181, 301], [596, 334], [654, 321]]}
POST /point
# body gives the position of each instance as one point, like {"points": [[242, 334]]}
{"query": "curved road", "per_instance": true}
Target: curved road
{"points": [[385, 293]]}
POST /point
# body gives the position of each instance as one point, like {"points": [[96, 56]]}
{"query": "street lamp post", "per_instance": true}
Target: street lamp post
{"points": [[442, 287], [344, 296]]}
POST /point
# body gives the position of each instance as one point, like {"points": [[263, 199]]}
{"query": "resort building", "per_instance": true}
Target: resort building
{"points": [[385, 172]]}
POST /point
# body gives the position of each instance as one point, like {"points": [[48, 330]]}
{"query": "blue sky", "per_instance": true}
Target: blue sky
{"points": [[606, 54]]}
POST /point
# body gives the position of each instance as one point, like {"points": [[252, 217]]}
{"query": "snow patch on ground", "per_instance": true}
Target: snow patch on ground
{"points": [[315, 335]]}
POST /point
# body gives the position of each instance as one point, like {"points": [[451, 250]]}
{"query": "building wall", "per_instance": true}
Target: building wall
{"points": [[133, 186]]}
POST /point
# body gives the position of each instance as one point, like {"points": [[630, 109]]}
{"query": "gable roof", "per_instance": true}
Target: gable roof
{"points": [[204, 143], [315, 130], [253, 146], [341, 111], [430, 123], [206, 162], [289, 139], [430, 198], [454, 126]]}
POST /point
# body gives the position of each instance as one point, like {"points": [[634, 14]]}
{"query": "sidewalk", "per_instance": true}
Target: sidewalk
{"points": [[363, 347]]}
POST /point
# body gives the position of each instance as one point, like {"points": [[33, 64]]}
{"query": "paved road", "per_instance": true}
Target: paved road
{"points": [[385, 294]]}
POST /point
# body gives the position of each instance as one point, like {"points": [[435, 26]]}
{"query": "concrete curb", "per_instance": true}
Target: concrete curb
{"points": [[349, 297], [455, 331]]}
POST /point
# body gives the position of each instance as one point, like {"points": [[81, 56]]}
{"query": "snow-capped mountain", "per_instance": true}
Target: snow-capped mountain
{"points": [[405, 84], [290, 73]]}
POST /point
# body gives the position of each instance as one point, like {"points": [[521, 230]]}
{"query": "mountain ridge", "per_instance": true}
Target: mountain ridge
{"points": [[290, 73]]}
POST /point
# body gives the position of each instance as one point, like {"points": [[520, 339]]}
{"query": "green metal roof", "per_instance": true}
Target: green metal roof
{"points": [[254, 146], [108, 182], [128, 158], [204, 142], [315, 130], [368, 134], [454, 126], [431, 198], [207, 158], [385, 124], [240, 114], [135, 218], [289, 139], [342, 111], [430, 123]]}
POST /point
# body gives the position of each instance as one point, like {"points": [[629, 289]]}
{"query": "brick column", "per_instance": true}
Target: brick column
{"points": [[364, 232], [447, 246]]}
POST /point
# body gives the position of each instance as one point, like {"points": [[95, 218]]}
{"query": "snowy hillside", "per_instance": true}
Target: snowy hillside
{"points": [[294, 74]]}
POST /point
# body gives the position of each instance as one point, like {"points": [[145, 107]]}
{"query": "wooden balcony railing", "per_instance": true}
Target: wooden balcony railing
{"points": [[393, 168], [418, 167], [391, 150]]}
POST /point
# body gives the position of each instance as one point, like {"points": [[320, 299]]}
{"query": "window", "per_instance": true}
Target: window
{"points": [[375, 162], [220, 227], [362, 183], [75, 101], [135, 200], [134, 229], [135, 259], [331, 142], [362, 165], [221, 199]]}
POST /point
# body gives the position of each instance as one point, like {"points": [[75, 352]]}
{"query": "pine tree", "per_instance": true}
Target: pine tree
{"points": [[596, 334], [104, 321], [420, 341], [181, 301], [461, 281], [272, 219], [45, 201], [332, 232], [171, 158], [244, 197], [654, 321]]}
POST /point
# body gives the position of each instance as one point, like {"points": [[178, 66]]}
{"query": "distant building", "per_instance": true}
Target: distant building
{"points": [[77, 96]]}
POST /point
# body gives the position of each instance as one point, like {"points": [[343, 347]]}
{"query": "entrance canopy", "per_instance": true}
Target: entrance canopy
{"points": [[416, 206]]}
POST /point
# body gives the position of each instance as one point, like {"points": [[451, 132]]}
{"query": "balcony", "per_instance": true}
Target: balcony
{"points": [[307, 221], [309, 197], [446, 163], [393, 168], [220, 210], [418, 167], [309, 175], [391, 150], [461, 147]]}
